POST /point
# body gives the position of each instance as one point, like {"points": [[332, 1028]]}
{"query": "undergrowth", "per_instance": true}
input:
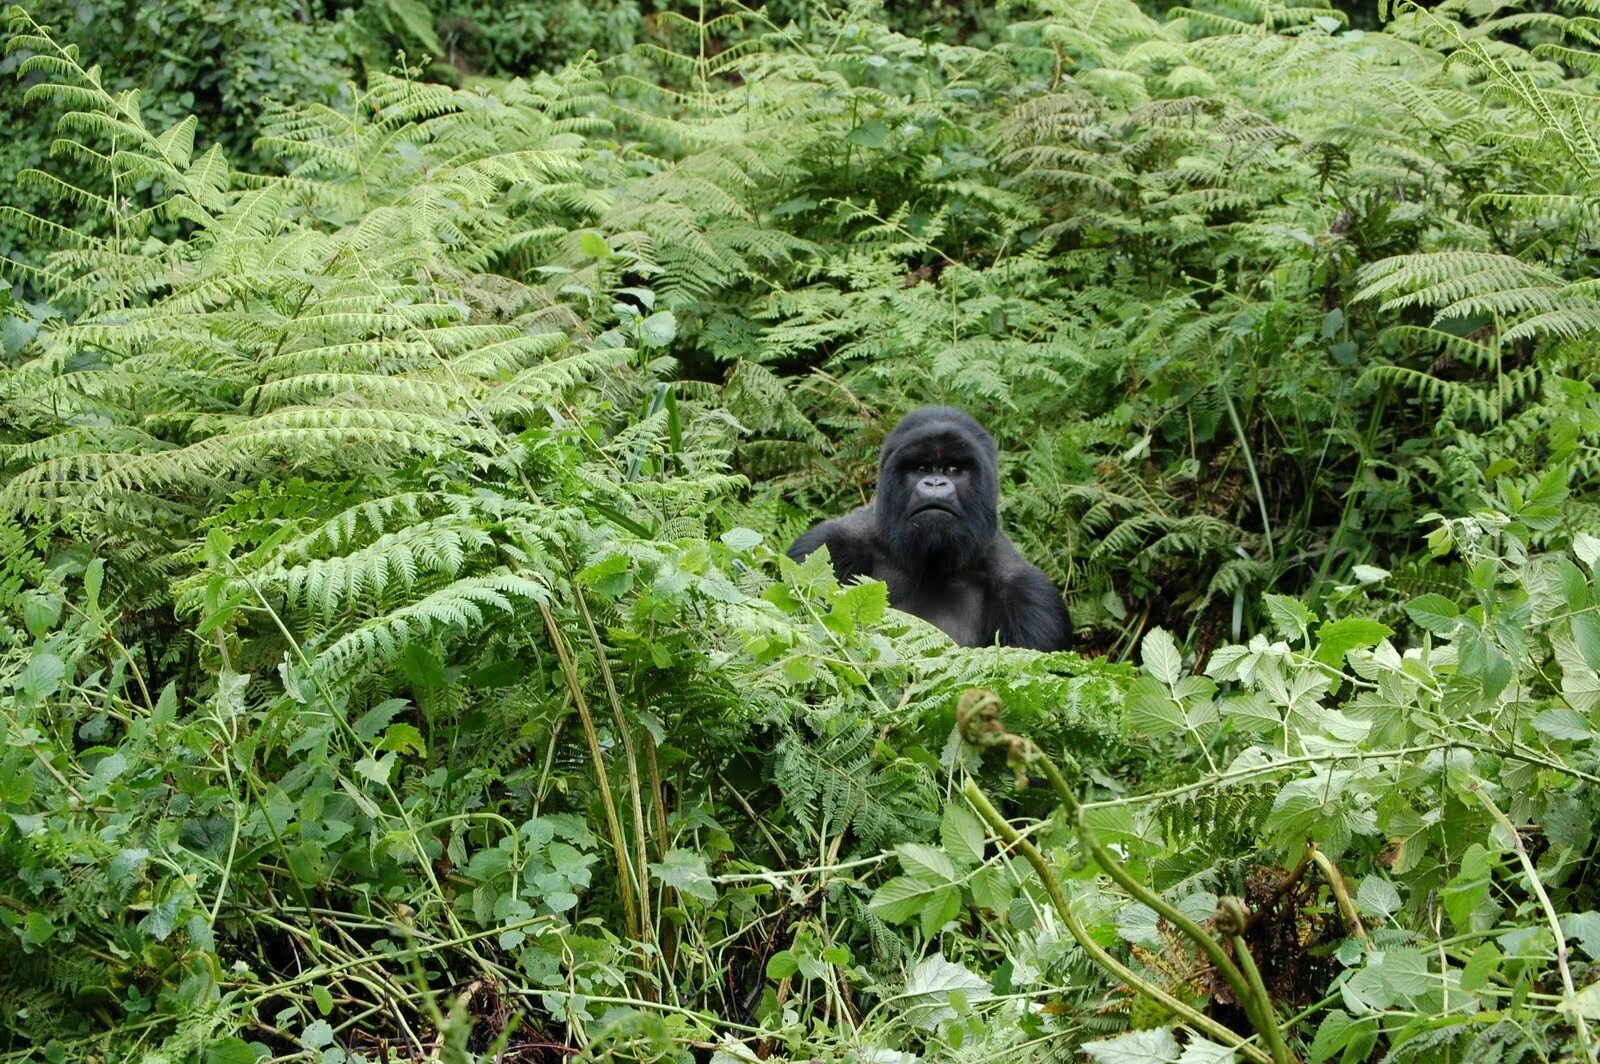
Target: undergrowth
{"points": [[397, 655]]}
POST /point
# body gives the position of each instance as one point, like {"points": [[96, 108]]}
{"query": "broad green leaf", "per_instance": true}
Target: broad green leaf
{"points": [[231, 1051], [658, 329], [928, 990], [1481, 966], [1585, 929], [961, 835], [1160, 656], [1151, 710], [1335, 639], [939, 909], [1563, 724], [1155, 1046], [1587, 548], [1378, 897], [901, 898], [1289, 616], [685, 871], [1434, 613], [1586, 634], [924, 861], [403, 738]]}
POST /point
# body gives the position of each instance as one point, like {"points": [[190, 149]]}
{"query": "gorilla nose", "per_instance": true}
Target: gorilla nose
{"points": [[936, 488]]}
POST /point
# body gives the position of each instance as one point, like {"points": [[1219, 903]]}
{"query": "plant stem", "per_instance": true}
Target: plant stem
{"points": [[1052, 885]]}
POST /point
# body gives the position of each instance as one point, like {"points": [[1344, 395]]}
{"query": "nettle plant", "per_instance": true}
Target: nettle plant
{"points": [[1452, 779], [1406, 823]]}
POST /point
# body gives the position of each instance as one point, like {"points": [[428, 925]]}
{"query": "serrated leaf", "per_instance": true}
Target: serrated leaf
{"points": [[1204, 1051], [1563, 724], [1434, 613], [1378, 897], [1290, 617], [741, 539], [658, 329], [1335, 639], [402, 738], [1151, 711], [685, 871], [1587, 548], [961, 835], [1160, 656], [929, 988], [939, 909], [924, 861], [900, 898], [1155, 1046]]}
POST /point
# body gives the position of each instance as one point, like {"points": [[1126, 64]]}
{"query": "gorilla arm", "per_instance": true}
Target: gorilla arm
{"points": [[1028, 606], [852, 542]]}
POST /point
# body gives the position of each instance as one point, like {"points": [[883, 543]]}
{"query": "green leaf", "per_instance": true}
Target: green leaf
{"points": [[1586, 634], [992, 888], [741, 539], [323, 999], [94, 578], [1434, 613], [376, 770], [961, 834], [1481, 966], [317, 1034], [1151, 710], [939, 909], [1335, 639], [782, 964], [372, 722], [593, 245], [402, 738], [1340, 1032], [924, 861], [1154, 1046], [900, 899], [1563, 724], [1585, 929], [685, 872], [658, 329], [1160, 656], [41, 677], [1378, 897], [37, 929], [870, 134], [233, 1051], [1587, 548], [1289, 616]]}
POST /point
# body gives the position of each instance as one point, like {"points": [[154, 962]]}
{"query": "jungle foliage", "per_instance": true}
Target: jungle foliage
{"points": [[397, 655]]}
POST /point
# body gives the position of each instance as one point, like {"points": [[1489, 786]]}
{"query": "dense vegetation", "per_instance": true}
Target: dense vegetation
{"points": [[397, 658]]}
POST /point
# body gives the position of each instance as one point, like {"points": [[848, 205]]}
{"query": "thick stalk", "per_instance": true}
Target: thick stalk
{"points": [[619, 843], [1080, 934]]}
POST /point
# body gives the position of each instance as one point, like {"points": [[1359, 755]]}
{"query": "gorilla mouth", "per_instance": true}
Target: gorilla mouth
{"points": [[934, 507]]}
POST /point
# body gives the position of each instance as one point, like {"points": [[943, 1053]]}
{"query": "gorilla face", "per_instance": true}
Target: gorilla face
{"points": [[938, 490]]}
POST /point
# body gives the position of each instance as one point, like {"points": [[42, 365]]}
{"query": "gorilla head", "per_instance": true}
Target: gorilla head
{"points": [[938, 489]]}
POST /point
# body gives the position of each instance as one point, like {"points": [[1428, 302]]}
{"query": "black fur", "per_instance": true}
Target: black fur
{"points": [[933, 535]]}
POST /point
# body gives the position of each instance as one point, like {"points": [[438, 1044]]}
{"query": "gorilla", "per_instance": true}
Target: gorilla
{"points": [[932, 533]]}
